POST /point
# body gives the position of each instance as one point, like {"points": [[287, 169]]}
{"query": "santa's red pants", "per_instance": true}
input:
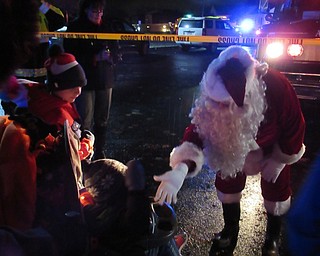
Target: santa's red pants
{"points": [[275, 192]]}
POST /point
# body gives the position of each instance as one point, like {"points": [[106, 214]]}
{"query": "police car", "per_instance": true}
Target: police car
{"points": [[205, 26]]}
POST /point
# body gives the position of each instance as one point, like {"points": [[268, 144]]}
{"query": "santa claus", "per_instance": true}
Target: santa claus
{"points": [[247, 120]]}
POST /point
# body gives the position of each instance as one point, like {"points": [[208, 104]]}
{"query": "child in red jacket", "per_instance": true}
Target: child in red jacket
{"points": [[53, 103]]}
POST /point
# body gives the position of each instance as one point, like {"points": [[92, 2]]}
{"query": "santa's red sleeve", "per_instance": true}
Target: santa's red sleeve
{"points": [[283, 129], [190, 149]]}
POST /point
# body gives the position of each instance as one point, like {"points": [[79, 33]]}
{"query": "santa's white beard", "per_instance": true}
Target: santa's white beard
{"points": [[228, 131]]}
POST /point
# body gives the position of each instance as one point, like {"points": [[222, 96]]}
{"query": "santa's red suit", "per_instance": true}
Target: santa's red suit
{"points": [[247, 120]]}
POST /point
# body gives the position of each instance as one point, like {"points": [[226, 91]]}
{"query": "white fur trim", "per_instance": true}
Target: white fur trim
{"points": [[187, 151], [281, 157], [215, 88], [277, 208], [59, 68]]}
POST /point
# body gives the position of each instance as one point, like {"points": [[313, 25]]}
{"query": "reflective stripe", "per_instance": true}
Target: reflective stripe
{"points": [[26, 72]]}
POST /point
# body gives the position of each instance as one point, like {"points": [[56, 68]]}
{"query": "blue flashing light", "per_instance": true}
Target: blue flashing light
{"points": [[247, 25]]}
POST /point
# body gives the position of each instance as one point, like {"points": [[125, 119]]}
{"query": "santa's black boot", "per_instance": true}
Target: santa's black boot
{"points": [[223, 243], [271, 244]]}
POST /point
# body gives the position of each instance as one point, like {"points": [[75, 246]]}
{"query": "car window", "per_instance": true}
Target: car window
{"points": [[128, 27], [220, 24], [118, 26], [191, 24], [122, 26], [208, 23]]}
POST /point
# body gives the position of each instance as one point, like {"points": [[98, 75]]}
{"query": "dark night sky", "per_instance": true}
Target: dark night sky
{"points": [[186, 6], [131, 8]]}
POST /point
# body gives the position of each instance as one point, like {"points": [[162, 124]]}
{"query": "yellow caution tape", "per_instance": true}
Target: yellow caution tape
{"points": [[178, 38]]}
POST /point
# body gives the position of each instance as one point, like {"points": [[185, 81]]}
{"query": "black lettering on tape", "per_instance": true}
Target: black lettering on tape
{"points": [[182, 38], [262, 41], [156, 38], [168, 38], [228, 40], [129, 37], [295, 41], [145, 38], [91, 36], [249, 40]]}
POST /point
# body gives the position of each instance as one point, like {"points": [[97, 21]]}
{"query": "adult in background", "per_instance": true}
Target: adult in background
{"points": [[49, 18], [97, 57], [247, 120]]}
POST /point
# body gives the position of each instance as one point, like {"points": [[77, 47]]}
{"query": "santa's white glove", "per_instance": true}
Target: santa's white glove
{"points": [[271, 169], [171, 182]]}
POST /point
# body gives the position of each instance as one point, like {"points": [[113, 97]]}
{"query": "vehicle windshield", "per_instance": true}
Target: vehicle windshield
{"points": [[191, 24], [220, 24]]}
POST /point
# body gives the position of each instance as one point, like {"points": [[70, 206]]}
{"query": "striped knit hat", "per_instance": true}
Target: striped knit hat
{"points": [[64, 72]]}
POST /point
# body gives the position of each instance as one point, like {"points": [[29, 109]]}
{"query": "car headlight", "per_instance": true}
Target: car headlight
{"points": [[274, 50], [295, 50], [164, 28]]}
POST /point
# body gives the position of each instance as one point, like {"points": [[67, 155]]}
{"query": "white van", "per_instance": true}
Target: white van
{"points": [[205, 26]]}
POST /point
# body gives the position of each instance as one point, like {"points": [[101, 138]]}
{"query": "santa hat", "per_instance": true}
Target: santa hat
{"points": [[64, 72], [227, 76]]}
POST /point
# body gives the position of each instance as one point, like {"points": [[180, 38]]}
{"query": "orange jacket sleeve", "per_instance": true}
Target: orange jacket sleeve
{"points": [[17, 176]]}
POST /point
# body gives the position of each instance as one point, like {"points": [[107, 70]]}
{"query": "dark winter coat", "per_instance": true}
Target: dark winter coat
{"points": [[99, 73], [52, 20]]}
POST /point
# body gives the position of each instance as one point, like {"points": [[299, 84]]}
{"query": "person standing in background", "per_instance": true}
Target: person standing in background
{"points": [[97, 57], [50, 18]]}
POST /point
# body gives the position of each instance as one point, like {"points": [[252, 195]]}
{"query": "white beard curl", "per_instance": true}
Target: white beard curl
{"points": [[228, 131]]}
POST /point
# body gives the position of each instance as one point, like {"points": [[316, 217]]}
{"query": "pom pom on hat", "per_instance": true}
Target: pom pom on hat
{"points": [[64, 72], [226, 77]]}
